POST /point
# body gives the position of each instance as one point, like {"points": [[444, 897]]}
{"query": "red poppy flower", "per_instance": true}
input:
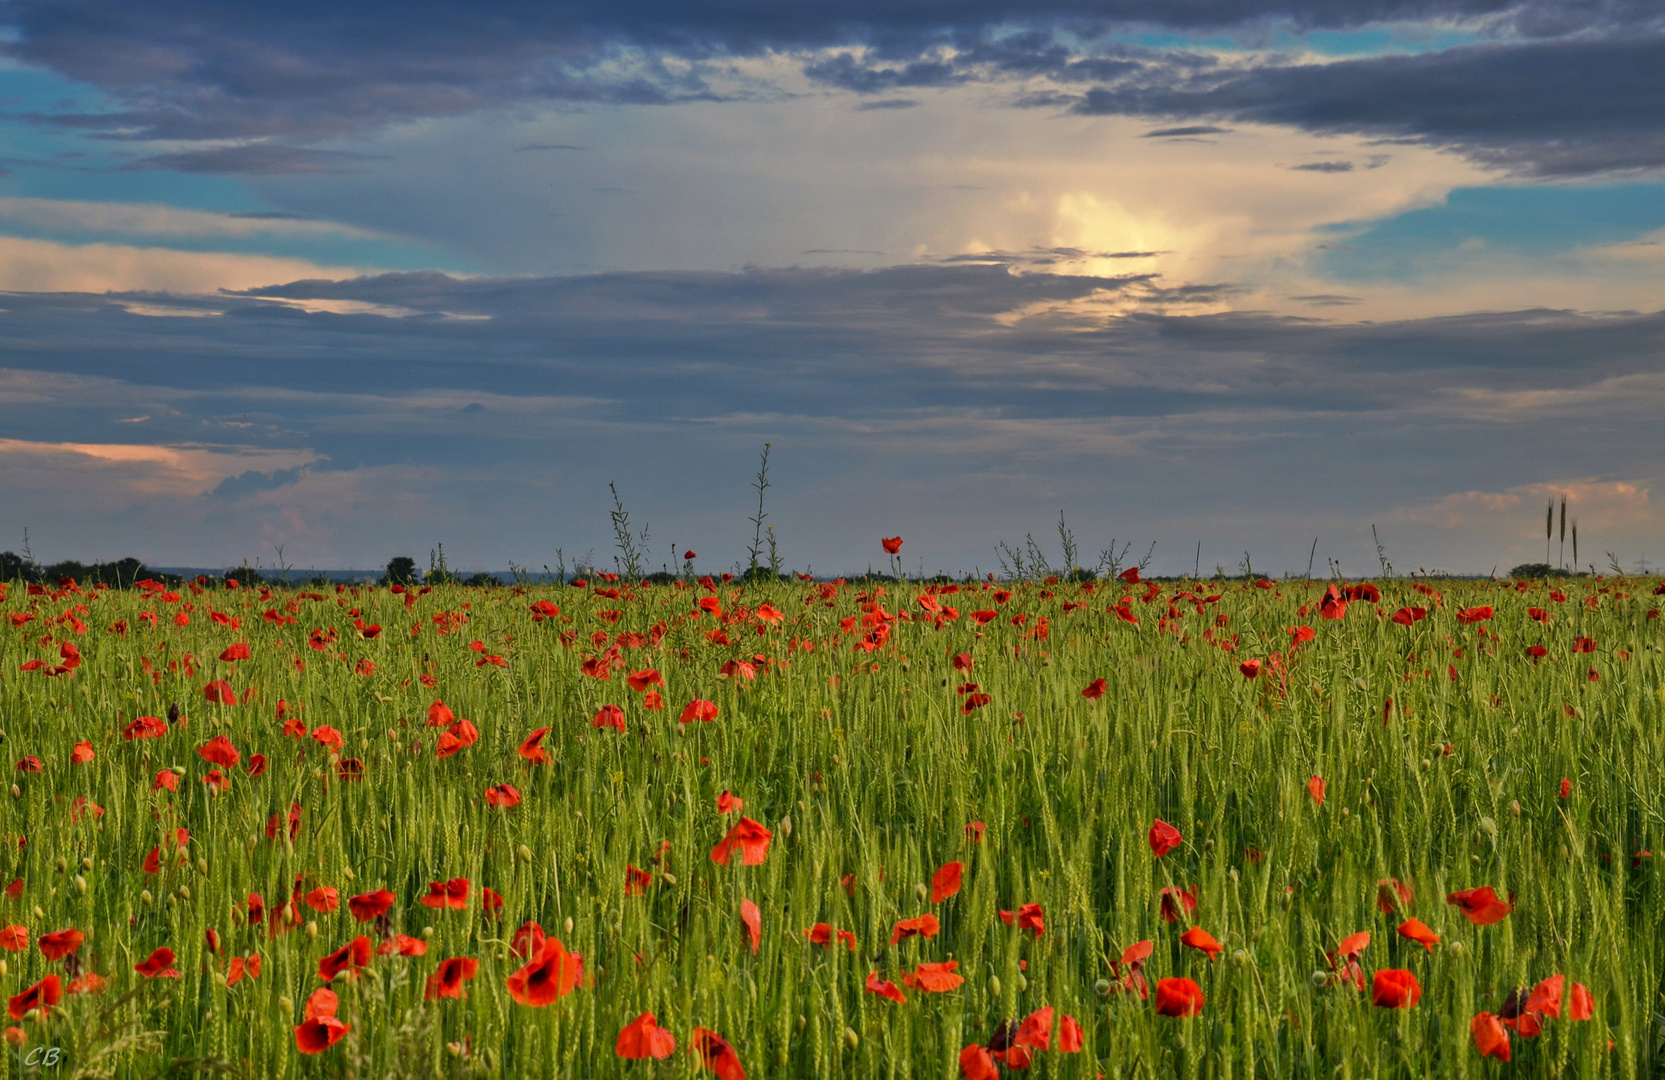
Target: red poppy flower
{"points": [[235, 652], [1163, 838], [883, 988], [328, 736], [219, 692], [946, 881], [1490, 1036], [1069, 1036], [1390, 894], [1395, 988], [1200, 939], [1566, 788], [527, 940], [548, 976], [641, 680], [1300, 635], [1469, 616], [1415, 930], [824, 934], [366, 907], [324, 898], [447, 894], [636, 881], [891, 544], [1315, 788], [31, 764], [14, 938], [934, 978], [256, 765], [752, 919], [531, 751], [1545, 999], [1036, 1030], [1094, 690], [404, 945], [717, 1055], [750, 837], [158, 965], [166, 779], [447, 982], [81, 753], [319, 1029], [609, 716], [1179, 997], [698, 709], [972, 702], [1581, 1006], [974, 831], [1584, 645], [729, 804], [43, 995], [1174, 899], [219, 751], [1482, 905], [919, 925], [61, 943], [1408, 616], [355, 954], [1027, 917], [491, 902], [1536, 652], [644, 1038], [1345, 959], [504, 795], [88, 982], [1249, 668], [145, 727]]}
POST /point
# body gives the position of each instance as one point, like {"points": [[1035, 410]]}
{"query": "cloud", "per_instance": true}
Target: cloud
{"points": [[48, 266], [197, 70], [1573, 107], [254, 158], [157, 219]]}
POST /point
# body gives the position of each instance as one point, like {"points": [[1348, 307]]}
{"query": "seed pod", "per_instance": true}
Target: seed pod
{"points": [[145, 898], [80, 884], [994, 985], [851, 1040]]}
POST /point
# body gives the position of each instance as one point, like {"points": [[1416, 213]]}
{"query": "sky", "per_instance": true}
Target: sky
{"points": [[1239, 283]]}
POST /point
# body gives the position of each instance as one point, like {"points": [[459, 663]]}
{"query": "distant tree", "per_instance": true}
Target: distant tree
{"points": [[1536, 570], [14, 567], [482, 580], [401, 570]]}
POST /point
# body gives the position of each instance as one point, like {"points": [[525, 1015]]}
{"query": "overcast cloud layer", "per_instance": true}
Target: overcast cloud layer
{"points": [[358, 279]]}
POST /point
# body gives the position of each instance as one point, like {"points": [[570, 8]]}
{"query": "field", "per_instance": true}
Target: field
{"points": [[1295, 762]]}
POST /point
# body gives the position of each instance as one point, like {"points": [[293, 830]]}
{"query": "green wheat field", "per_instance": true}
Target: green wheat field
{"points": [[1336, 758]]}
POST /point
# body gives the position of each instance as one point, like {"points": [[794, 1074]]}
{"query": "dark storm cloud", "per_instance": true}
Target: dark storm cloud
{"points": [[200, 69], [1550, 108], [667, 345]]}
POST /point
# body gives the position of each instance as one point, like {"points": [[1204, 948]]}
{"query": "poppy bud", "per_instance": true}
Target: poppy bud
{"points": [[80, 884], [428, 932], [1022, 982], [219, 979], [1102, 987], [172, 902], [1457, 948], [184, 892], [62, 864], [994, 985], [1426, 764], [803, 1022], [145, 898], [286, 1005], [920, 892], [1514, 807], [312, 929], [179, 770], [1361, 684], [87, 863], [1233, 874], [1320, 979], [850, 1038], [525, 853], [1240, 958], [202, 867], [17, 792], [4, 971], [668, 877], [1489, 827], [785, 826], [567, 924], [346, 872]]}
